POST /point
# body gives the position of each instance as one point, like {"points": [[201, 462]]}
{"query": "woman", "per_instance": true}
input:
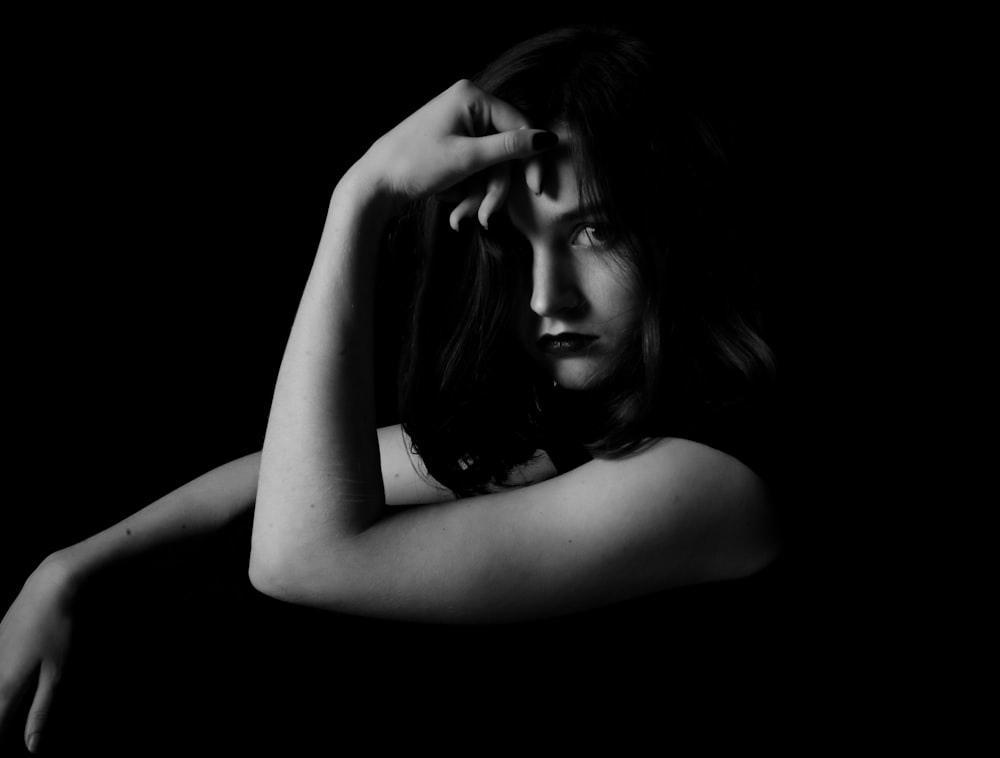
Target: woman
{"points": [[579, 359]]}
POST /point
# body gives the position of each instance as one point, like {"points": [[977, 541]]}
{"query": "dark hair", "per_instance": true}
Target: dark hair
{"points": [[471, 400]]}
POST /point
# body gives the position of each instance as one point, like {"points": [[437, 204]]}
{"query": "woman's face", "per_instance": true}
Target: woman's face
{"points": [[577, 302]]}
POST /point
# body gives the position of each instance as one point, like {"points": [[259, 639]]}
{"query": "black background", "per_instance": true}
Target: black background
{"points": [[170, 177]]}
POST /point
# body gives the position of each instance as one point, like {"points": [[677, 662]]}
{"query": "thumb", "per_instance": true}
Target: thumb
{"points": [[505, 146], [41, 705]]}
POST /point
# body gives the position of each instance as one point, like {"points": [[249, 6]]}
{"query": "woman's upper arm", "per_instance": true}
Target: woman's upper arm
{"points": [[676, 513]]}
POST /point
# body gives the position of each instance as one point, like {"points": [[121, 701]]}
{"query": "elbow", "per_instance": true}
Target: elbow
{"points": [[273, 559], [262, 558], [271, 569], [257, 579], [299, 561], [300, 577], [278, 584], [264, 578]]}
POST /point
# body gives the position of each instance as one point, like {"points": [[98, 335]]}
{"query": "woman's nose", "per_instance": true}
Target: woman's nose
{"points": [[554, 286]]}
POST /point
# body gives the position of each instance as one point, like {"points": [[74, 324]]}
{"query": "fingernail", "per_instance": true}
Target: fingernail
{"points": [[33, 742], [543, 140]]}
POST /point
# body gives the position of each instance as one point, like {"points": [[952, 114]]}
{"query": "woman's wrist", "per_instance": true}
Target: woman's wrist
{"points": [[358, 212], [74, 566], [64, 569], [361, 188]]}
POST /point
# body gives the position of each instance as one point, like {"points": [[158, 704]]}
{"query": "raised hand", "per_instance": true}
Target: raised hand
{"points": [[463, 143], [34, 638]]}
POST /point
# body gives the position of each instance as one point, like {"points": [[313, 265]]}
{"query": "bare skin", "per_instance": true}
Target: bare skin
{"points": [[676, 513], [322, 489], [36, 632]]}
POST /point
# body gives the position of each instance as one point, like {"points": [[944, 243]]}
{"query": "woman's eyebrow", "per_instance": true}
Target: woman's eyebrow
{"points": [[589, 211], [586, 211]]}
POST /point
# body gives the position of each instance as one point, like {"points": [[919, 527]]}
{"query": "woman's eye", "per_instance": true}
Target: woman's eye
{"points": [[592, 235]]}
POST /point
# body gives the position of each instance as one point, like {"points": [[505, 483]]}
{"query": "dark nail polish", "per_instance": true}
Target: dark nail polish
{"points": [[543, 140]]}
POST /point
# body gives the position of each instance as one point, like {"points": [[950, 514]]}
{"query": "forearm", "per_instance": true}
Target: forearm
{"points": [[202, 506], [320, 476], [320, 492]]}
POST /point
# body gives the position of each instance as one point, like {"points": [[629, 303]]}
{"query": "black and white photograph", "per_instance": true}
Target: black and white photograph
{"points": [[455, 384]]}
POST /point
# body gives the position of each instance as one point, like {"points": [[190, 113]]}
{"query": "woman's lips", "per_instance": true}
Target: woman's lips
{"points": [[567, 343]]}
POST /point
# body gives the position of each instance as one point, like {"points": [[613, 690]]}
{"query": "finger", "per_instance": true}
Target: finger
{"points": [[496, 193], [533, 174], [466, 208], [532, 168], [501, 115], [41, 706], [487, 151], [486, 113]]}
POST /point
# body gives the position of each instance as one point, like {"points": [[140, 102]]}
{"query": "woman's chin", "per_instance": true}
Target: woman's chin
{"points": [[575, 374]]}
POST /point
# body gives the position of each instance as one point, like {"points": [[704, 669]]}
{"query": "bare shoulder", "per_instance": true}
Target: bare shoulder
{"points": [[693, 468], [676, 486]]}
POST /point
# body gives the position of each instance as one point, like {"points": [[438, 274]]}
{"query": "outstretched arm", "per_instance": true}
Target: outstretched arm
{"points": [[202, 506], [35, 630]]}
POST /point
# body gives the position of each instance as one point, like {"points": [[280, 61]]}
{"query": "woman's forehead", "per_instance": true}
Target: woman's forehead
{"points": [[560, 196]]}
